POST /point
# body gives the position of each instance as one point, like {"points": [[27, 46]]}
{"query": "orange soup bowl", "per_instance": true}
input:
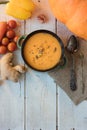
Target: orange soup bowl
{"points": [[42, 50]]}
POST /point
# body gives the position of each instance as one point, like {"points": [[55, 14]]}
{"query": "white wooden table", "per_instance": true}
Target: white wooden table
{"points": [[36, 102]]}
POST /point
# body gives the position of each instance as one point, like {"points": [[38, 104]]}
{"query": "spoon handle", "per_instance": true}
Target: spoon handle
{"points": [[73, 85]]}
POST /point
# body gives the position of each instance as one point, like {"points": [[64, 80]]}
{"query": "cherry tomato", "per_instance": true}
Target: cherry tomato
{"points": [[5, 41], [12, 46], [16, 39], [12, 24], [3, 49], [10, 34], [8, 28]]}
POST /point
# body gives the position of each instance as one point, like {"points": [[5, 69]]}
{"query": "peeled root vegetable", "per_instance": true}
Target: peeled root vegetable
{"points": [[8, 71], [3, 29]]}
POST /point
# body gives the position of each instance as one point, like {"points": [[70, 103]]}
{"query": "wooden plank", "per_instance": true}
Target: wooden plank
{"points": [[40, 88], [70, 117], [80, 116], [12, 94], [65, 106], [65, 111]]}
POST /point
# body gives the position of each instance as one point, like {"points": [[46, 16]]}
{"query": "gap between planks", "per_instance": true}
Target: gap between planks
{"points": [[24, 88], [56, 87]]}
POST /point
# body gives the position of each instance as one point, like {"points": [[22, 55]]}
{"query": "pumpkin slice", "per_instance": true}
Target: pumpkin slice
{"points": [[17, 12], [72, 13]]}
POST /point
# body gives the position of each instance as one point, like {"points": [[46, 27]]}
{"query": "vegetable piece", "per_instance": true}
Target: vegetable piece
{"points": [[10, 34], [16, 39], [5, 41], [17, 13], [8, 71], [4, 2], [12, 24], [8, 28], [3, 29], [25, 4], [12, 46], [21, 9], [42, 18], [3, 49], [73, 13]]}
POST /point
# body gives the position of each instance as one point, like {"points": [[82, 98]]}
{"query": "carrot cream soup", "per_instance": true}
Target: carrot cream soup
{"points": [[42, 51]]}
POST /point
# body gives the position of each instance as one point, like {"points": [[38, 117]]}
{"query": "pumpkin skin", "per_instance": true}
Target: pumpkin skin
{"points": [[73, 13]]}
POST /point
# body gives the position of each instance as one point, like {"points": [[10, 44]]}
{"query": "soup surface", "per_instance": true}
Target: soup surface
{"points": [[42, 51]]}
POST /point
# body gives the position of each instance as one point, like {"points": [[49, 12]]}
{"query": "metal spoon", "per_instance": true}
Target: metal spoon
{"points": [[72, 47]]}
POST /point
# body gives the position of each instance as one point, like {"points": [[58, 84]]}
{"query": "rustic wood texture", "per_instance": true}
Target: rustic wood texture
{"points": [[70, 116], [12, 94], [40, 88], [37, 102]]}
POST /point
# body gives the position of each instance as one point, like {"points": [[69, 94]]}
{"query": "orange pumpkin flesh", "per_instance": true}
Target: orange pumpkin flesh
{"points": [[73, 13]]}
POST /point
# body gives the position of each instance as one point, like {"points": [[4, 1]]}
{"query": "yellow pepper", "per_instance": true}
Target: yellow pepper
{"points": [[21, 9]]}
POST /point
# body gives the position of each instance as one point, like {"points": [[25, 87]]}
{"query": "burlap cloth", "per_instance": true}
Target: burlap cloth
{"points": [[62, 76]]}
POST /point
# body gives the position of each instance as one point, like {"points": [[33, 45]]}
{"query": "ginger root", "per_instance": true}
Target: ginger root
{"points": [[8, 71]]}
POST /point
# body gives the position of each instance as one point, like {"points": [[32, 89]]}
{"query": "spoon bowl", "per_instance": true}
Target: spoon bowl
{"points": [[72, 45]]}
